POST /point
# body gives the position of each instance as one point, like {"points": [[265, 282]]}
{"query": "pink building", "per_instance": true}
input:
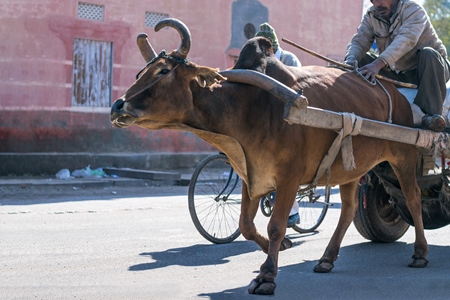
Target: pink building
{"points": [[64, 62]]}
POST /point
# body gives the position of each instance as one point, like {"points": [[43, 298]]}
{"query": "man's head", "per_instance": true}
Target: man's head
{"points": [[268, 32], [385, 8]]}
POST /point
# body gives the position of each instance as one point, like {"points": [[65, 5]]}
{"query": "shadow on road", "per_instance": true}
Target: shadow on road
{"points": [[363, 271], [202, 255], [196, 255]]}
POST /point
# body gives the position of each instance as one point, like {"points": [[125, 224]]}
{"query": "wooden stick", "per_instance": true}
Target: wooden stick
{"points": [[348, 67]]}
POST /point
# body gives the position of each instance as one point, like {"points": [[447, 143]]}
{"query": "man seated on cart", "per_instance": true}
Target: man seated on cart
{"points": [[410, 51]]}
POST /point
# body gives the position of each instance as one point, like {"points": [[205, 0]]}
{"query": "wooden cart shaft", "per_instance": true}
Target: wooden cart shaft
{"points": [[320, 118]]}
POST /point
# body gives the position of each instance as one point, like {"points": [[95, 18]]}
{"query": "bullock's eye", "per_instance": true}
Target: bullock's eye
{"points": [[164, 71]]}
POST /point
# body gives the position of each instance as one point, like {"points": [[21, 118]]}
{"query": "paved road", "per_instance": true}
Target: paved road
{"points": [[146, 247]]}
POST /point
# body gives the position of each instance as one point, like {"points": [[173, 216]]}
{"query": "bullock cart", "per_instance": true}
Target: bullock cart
{"points": [[242, 116]]}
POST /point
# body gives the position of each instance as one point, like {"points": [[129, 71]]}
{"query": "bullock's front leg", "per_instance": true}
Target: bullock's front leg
{"points": [[264, 283], [348, 210]]}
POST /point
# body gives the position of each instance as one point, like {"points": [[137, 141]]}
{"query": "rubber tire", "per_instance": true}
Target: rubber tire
{"points": [[379, 221]]}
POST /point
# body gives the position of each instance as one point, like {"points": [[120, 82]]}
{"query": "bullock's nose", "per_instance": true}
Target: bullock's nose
{"points": [[117, 109]]}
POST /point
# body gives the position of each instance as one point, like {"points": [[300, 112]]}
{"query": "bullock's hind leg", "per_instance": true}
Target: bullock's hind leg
{"points": [[264, 283], [412, 193], [249, 208], [348, 210]]}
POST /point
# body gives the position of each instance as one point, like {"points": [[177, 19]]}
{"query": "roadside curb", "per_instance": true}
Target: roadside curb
{"points": [[135, 178], [50, 163]]}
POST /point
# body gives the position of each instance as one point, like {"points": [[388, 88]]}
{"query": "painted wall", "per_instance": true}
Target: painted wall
{"points": [[37, 52]]}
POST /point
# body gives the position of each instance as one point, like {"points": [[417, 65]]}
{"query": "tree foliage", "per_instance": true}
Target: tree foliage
{"points": [[439, 13]]}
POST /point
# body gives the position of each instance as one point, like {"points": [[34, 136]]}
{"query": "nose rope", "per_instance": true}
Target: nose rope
{"points": [[150, 85]]}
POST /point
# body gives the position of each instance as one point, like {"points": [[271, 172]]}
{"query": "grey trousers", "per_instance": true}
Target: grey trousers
{"points": [[430, 76]]}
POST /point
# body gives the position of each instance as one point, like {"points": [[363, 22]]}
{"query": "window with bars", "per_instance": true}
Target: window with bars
{"points": [[91, 11], [152, 18]]}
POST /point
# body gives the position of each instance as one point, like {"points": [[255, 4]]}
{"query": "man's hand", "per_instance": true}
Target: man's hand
{"points": [[371, 70], [350, 60]]}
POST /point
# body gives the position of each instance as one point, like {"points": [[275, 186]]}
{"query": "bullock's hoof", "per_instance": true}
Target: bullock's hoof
{"points": [[261, 288], [324, 266], [418, 262], [285, 244]]}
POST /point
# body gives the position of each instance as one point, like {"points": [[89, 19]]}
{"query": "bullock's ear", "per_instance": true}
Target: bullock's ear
{"points": [[265, 46], [206, 76]]}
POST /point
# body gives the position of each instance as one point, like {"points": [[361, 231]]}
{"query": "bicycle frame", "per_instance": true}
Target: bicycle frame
{"points": [[230, 176]]}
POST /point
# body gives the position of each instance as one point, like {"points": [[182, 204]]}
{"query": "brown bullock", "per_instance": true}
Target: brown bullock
{"points": [[245, 122]]}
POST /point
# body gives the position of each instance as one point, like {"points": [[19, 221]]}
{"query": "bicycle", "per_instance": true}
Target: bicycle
{"points": [[313, 206], [214, 199]]}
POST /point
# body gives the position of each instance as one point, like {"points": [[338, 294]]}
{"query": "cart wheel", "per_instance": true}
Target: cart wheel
{"points": [[313, 206], [378, 221], [214, 199], [266, 204]]}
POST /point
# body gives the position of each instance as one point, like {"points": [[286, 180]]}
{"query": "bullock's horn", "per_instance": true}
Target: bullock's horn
{"points": [[182, 29], [147, 50]]}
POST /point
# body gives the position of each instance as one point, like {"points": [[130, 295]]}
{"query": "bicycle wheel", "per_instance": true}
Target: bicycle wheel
{"points": [[215, 199], [313, 206], [266, 204]]}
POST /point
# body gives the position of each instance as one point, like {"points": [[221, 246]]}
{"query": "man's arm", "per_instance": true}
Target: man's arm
{"points": [[289, 59], [361, 41]]}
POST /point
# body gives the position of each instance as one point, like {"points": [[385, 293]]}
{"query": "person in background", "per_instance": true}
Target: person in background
{"points": [[410, 51], [289, 59], [286, 57]]}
